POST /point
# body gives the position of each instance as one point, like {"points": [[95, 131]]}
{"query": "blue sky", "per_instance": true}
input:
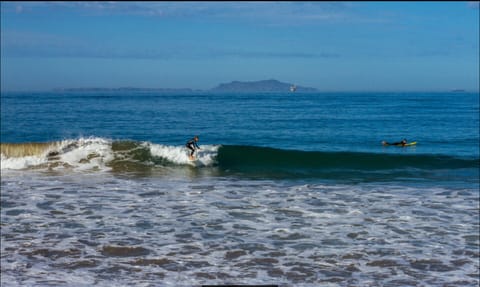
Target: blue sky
{"points": [[332, 46]]}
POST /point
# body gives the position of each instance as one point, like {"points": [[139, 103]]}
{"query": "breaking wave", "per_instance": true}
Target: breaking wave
{"points": [[99, 154], [122, 156]]}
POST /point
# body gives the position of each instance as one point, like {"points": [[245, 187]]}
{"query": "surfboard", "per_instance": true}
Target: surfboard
{"points": [[410, 144], [195, 162], [194, 157]]}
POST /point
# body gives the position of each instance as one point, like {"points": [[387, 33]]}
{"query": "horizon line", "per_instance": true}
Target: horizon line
{"points": [[211, 90]]}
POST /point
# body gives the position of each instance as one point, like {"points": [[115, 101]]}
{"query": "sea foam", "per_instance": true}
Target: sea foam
{"points": [[180, 155]]}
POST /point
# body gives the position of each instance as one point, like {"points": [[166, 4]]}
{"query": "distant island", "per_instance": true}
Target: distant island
{"points": [[261, 86], [127, 89], [235, 86]]}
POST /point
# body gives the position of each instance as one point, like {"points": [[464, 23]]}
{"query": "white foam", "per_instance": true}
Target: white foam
{"points": [[21, 162], [224, 218], [99, 150], [82, 154], [18, 163], [180, 154]]}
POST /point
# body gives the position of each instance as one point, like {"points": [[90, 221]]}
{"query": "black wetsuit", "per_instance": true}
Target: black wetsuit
{"points": [[402, 143], [192, 144]]}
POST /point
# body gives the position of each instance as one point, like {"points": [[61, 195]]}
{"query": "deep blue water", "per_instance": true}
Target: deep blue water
{"points": [[441, 123]]}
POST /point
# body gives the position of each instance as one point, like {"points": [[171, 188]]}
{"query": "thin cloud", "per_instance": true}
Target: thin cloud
{"points": [[89, 51], [41, 45], [262, 12]]}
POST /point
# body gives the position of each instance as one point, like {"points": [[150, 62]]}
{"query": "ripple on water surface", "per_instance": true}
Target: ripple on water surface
{"points": [[102, 230]]}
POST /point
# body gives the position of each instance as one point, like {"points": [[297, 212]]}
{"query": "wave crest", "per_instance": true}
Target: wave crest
{"points": [[26, 149], [100, 154], [83, 153]]}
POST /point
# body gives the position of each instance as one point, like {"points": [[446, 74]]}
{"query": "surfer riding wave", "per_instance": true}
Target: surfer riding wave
{"points": [[192, 146]]}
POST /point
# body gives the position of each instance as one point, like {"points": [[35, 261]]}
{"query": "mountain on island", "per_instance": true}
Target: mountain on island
{"points": [[261, 86]]}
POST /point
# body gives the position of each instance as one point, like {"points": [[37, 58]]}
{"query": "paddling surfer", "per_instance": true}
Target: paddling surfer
{"points": [[401, 143]]}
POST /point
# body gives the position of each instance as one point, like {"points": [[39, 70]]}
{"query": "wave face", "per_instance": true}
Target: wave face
{"points": [[124, 156], [335, 165]]}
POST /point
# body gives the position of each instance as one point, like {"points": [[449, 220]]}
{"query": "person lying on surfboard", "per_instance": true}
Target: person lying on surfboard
{"points": [[192, 145], [402, 143]]}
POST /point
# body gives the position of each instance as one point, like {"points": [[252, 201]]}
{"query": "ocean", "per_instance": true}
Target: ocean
{"points": [[287, 189]]}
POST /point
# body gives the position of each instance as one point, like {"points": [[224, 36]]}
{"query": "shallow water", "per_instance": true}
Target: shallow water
{"points": [[100, 229]]}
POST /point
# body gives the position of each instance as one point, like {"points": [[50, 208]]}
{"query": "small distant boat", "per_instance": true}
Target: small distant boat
{"points": [[293, 88]]}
